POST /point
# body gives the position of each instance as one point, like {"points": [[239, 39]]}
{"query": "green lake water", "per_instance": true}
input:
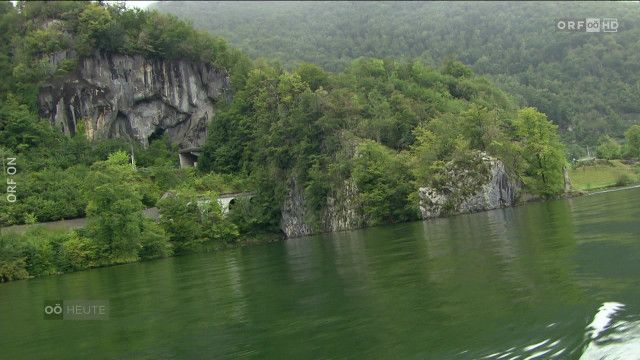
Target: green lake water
{"points": [[553, 280]]}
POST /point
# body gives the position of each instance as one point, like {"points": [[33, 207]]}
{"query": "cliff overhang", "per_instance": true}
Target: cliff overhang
{"points": [[135, 97]]}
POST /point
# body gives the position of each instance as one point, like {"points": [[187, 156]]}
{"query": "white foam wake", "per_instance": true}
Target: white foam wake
{"points": [[603, 318], [621, 340]]}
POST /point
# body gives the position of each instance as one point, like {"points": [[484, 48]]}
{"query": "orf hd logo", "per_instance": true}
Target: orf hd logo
{"points": [[587, 25]]}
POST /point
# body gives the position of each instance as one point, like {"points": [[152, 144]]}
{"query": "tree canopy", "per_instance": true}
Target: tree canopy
{"points": [[388, 126], [586, 83]]}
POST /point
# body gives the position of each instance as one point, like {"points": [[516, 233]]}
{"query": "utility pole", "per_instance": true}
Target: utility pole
{"points": [[133, 156]]}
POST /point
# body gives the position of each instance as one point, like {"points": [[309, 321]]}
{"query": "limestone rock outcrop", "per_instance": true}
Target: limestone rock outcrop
{"points": [[466, 191], [135, 97], [340, 212], [483, 183]]}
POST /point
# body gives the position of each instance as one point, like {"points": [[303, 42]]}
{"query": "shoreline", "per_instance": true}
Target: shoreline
{"points": [[267, 238], [612, 188], [258, 240], [77, 223]]}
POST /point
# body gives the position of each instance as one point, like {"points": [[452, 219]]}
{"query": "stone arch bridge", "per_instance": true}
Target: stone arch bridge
{"points": [[227, 200]]}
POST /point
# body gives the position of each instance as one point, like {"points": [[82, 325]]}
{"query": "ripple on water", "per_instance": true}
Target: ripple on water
{"points": [[614, 333], [545, 349]]}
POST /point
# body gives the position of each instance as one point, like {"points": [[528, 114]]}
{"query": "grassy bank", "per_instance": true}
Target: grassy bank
{"points": [[600, 174]]}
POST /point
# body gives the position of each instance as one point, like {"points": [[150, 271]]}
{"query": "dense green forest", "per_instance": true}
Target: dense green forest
{"points": [[387, 125], [587, 83], [29, 34]]}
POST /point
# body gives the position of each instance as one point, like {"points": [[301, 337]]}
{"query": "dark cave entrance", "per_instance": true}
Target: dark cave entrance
{"points": [[157, 134]]}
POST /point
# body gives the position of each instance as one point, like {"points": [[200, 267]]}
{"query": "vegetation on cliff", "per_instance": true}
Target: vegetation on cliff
{"points": [[39, 40], [108, 180], [46, 38], [390, 126]]}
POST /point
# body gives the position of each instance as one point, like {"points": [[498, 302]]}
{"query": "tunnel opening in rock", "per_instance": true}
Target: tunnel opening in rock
{"points": [[189, 157], [157, 134]]}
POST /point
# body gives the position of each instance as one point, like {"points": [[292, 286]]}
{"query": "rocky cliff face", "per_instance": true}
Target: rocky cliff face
{"points": [[294, 213], [340, 213], [482, 184], [467, 191], [135, 97]]}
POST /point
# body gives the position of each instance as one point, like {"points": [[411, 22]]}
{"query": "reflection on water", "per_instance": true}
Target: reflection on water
{"points": [[555, 280]]}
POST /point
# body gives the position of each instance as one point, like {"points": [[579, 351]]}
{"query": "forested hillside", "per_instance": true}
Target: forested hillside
{"points": [[383, 128], [389, 127], [34, 33], [587, 83], [52, 176]]}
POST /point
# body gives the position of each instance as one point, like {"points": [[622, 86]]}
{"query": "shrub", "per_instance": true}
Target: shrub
{"points": [[384, 181], [155, 242], [30, 219], [194, 221], [608, 148], [623, 180], [115, 210], [79, 253], [246, 215], [13, 269], [48, 195], [542, 151], [13, 263], [40, 250], [632, 135]]}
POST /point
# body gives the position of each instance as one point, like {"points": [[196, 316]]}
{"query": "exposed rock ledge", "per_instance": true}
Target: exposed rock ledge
{"points": [[135, 97], [485, 186], [340, 213], [466, 192]]}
